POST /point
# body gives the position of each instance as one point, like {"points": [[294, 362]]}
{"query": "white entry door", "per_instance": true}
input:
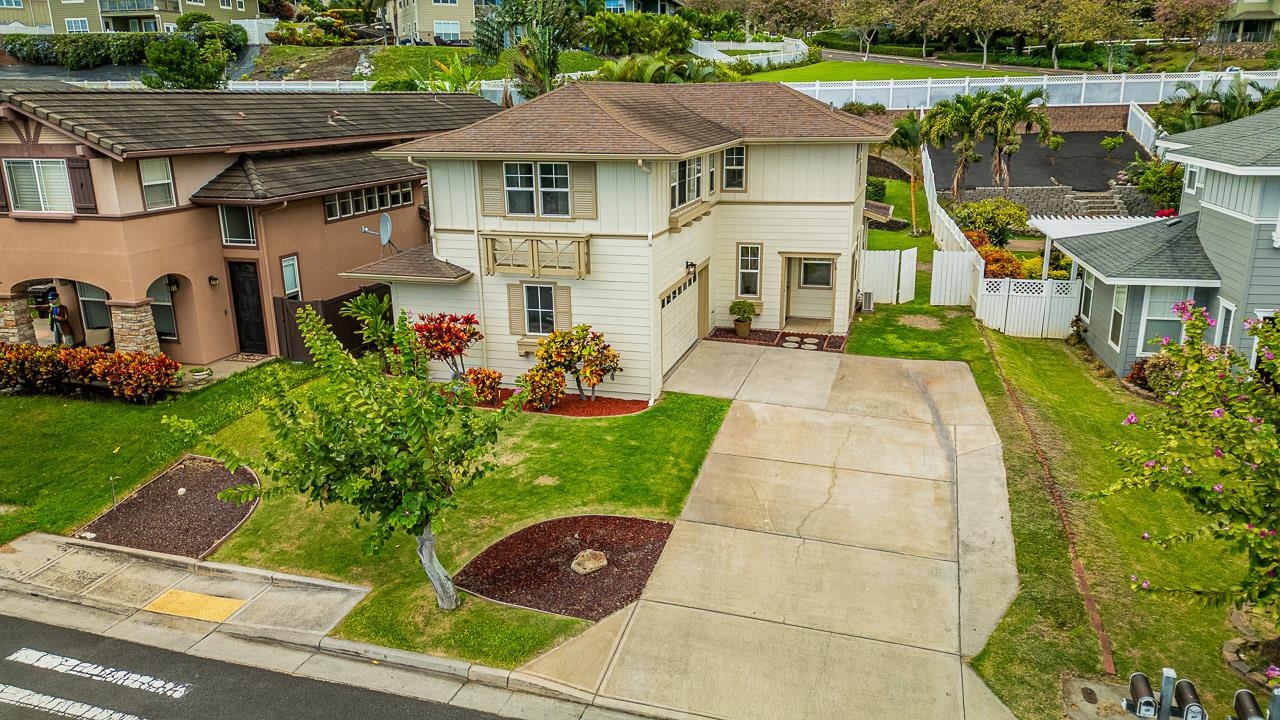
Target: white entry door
{"points": [[679, 318]]}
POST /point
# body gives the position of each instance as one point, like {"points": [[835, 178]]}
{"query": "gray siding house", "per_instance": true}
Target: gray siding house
{"points": [[1223, 250]]}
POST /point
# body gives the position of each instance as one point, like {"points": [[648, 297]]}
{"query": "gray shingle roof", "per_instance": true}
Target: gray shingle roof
{"points": [[1154, 251], [141, 122], [264, 178], [418, 264], [1251, 142]]}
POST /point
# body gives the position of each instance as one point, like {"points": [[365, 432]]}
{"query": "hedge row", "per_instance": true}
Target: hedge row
{"points": [[81, 51], [130, 375], [836, 40]]}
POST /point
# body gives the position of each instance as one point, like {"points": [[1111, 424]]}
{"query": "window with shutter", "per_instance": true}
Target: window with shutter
{"points": [[38, 185], [492, 202], [80, 178], [583, 188]]}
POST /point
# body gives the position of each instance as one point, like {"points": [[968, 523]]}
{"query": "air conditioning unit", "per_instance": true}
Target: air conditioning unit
{"points": [[868, 301]]}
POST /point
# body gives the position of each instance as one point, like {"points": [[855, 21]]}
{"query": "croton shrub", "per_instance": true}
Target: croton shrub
{"points": [[447, 338], [582, 353], [542, 386], [485, 382], [130, 375]]}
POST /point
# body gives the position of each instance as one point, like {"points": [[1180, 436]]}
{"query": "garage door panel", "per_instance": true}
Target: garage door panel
{"points": [[679, 317]]}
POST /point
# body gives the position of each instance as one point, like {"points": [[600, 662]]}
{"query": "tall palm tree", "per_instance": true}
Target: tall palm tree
{"points": [[906, 139], [1008, 110], [959, 121], [1213, 105], [536, 65]]}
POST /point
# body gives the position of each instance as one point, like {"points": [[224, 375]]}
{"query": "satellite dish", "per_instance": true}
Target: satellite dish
{"points": [[384, 234]]}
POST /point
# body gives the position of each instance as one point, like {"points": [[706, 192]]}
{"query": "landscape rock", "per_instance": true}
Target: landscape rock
{"points": [[588, 561]]}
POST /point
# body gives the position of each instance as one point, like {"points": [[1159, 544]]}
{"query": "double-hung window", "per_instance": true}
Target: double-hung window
{"points": [[1086, 296], [815, 273], [15, 4], [447, 29], [1158, 319], [289, 274], [712, 162], [615, 6], [1226, 321], [1118, 301], [157, 183], [77, 25], [735, 168], [39, 185], [536, 188], [539, 309], [237, 225], [749, 271], [686, 182], [94, 313], [162, 309]]}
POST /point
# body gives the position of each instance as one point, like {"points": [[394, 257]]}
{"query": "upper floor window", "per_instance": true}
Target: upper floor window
{"points": [[157, 183], [735, 168], [224, 4], [447, 29], [39, 185], [444, 2], [10, 3], [686, 182], [237, 225], [545, 192], [77, 25], [370, 199], [711, 173]]}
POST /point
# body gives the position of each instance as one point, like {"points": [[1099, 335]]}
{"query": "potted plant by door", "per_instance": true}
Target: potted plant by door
{"points": [[742, 310], [201, 375]]}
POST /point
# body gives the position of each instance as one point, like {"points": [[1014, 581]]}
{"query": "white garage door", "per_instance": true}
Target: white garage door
{"points": [[679, 321]]}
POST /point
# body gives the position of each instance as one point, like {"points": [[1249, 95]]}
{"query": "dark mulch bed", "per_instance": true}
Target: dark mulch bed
{"points": [[531, 568], [1081, 163], [157, 518], [828, 343], [573, 406]]}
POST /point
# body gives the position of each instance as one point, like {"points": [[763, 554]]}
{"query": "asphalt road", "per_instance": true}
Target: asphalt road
{"points": [[40, 678]]}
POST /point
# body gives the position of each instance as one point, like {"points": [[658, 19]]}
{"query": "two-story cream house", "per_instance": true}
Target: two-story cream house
{"points": [[644, 211]]}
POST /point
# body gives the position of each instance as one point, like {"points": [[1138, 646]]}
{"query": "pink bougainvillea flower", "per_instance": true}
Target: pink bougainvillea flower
{"points": [[1131, 419], [1217, 452], [1133, 578], [1186, 470], [1146, 536], [1273, 672], [1218, 488], [1165, 340], [1218, 412], [1146, 584], [1149, 464]]}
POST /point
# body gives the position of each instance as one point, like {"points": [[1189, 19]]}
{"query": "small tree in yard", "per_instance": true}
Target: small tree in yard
{"points": [[1216, 445], [377, 435], [866, 17], [447, 337], [1109, 22], [582, 353], [906, 140], [997, 217]]}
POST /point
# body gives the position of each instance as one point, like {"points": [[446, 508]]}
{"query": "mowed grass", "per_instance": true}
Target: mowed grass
{"points": [[857, 70], [401, 62], [58, 455], [641, 465]]}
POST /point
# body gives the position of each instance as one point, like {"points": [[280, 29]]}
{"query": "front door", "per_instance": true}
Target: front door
{"points": [[246, 299]]}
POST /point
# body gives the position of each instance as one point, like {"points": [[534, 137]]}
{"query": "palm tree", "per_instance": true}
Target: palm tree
{"points": [[536, 65], [657, 68], [906, 139], [1213, 105], [1009, 109], [959, 121]]}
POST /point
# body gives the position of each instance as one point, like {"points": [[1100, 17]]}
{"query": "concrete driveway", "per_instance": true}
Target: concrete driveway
{"points": [[845, 547]]}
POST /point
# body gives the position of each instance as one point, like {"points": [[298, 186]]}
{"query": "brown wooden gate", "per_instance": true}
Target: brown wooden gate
{"points": [[347, 329]]}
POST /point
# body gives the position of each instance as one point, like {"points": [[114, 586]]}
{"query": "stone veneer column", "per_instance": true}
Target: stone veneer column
{"points": [[16, 325], [133, 327]]}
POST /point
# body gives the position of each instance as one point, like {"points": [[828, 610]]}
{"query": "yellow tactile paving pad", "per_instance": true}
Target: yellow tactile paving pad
{"points": [[195, 605]]}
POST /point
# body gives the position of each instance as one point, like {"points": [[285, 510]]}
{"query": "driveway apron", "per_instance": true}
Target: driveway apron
{"points": [[845, 547]]}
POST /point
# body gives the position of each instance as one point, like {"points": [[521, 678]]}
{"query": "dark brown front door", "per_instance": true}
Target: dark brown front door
{"points": [[246, 299]]}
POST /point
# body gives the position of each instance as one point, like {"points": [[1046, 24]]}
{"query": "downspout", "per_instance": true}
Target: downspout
{"points": [[655, 342], [262, 252]]}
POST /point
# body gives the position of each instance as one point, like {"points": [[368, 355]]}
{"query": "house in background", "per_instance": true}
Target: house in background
{"points": [[175, 221], [642, 210], [1223, 250], [1251, 21], [82, 16]]}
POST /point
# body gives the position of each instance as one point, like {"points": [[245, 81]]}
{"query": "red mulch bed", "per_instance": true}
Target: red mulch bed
{"points": [[530, 568], [157, 518], [573, 406], [828, 343]]}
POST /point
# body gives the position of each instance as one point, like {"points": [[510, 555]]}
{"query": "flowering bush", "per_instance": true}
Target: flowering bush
{"points": [[1001, 263], [1216, 445], [977, 238], [1163, 374], [485, 382], [542, 386], [1166, 213], [135, 375], [582, 353], [447, 338]]}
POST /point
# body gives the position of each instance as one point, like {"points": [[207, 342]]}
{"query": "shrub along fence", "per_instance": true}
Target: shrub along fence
{"points": [[57, 369], [81, 51]]}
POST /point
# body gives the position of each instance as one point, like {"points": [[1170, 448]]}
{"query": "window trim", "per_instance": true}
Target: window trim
{"points": [[726, 167], [1253, 354], [1224, 328], [171, 182], [712, 164], [66, 22], [40, 187], [224, 4], [156, 302], [1123, 311], [15, 5], [691, 185], [435, 24], [524, 297], [537, 190], [759, 271], [1143, 349], [237, 242], [402, 187], [80, 302], [1089, 284], [830, 262], [285, 261], [1193, 179]]}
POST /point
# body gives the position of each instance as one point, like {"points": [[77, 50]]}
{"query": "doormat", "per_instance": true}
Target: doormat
{"points": [[246, 357], [789, 340]]}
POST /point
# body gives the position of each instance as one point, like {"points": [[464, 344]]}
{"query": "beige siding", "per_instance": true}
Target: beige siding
{"points": [[419, 16], [800, 173], [190, 173]]}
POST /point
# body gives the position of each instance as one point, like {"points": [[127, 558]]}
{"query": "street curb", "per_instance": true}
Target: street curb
{"points": [[15, 587]]}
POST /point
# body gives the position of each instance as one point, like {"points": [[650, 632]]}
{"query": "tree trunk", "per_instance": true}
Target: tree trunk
{"points": [[1111, 50], [582, 395], [984, 42], [1053, 51], [446, 593], [924, 47], [957, 181]]}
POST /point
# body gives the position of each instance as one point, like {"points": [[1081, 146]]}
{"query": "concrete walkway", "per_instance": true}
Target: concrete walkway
{"points": [[846, 546]]}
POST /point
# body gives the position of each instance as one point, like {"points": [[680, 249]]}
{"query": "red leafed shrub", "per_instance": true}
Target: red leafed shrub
{"points": [[134, 375], [542, 386], [447, 337], [1001, 263], [485, 382], [79, 362], [32, 367], [977, 238], [1138, 374], [581, 352]]}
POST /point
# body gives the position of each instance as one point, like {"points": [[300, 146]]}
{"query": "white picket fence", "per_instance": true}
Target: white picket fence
{"points": [[1143, 129], [1063, 90], [889, 275], [957, 267], [772, 53], [1028, 308]]}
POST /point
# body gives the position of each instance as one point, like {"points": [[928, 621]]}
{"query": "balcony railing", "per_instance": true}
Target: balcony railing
{"points": [[137, 6]]}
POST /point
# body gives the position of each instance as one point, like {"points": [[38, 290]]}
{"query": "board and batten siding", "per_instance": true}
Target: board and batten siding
{"points": [[801, 172], [1241, 193]]}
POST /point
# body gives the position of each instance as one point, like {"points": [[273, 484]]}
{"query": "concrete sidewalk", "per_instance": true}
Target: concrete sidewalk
{"points": [[242, 615]]}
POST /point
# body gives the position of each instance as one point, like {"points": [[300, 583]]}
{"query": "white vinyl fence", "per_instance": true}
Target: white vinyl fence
{"points": [[889, 275], [770, 53], [1143, 129], [1028, 308], [957, 267], [18, 28], [257, 28]]}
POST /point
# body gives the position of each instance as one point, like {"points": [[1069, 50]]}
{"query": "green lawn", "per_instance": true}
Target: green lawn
{"points": [[858, 70], [59, 455], [1076, 416], [395, 62], [641, 465]]}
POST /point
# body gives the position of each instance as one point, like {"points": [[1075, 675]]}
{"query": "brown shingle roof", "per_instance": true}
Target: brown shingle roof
{"points": [[269, 177], [649, 120], [419, 264], [142, 122]]}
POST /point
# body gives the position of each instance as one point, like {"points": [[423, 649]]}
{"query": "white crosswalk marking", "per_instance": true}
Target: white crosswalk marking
{"points": [[23, 698], [124, 678]]}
